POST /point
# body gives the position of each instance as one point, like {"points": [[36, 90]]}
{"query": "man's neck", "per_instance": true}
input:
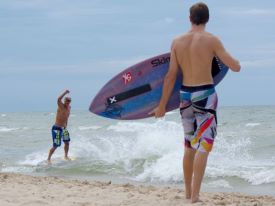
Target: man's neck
{"points": [[198, 28]]}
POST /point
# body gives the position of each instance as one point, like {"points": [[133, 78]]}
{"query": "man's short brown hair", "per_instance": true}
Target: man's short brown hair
{"points": [[199, 13]]}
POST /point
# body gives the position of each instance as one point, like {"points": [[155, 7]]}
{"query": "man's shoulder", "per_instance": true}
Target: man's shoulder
{"points": [[179, 39], [190, 35], [212, 36]]}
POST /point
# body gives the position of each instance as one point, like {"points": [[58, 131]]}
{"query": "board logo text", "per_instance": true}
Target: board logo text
{"points": [[127, 77], [160, 61]]}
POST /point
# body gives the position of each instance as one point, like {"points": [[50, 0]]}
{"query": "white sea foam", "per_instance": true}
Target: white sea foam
{"points": [[161, 141], [83, 128], [228, 156], [252, 124], [128, 127], [90, 148], [254, 175], [3, 115], [17, 169], [40, 157], [146, 142], [219, 184], [160, 125], [260, 175], [34, 159], [166, 169], [6, 129]]}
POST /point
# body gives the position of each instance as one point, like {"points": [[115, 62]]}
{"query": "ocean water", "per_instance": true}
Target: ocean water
{"points": [[145, 151]]}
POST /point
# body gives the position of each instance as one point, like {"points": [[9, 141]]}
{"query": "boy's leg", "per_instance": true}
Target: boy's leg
{"points": [[189, 125], [66, 150], [188, 160], [66, 140], [56, 137], [200, 162], [205, 105], [50, 154]]}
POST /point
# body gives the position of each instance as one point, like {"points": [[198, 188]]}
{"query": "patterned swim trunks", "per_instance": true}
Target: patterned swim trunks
{"points": [[198, 112], [58, 134]]}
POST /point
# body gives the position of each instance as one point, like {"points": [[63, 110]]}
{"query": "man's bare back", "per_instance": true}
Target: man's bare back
{"points": [[193, 53]]}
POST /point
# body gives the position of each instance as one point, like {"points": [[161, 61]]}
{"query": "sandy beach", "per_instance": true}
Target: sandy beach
{"points": [[17, 189]]}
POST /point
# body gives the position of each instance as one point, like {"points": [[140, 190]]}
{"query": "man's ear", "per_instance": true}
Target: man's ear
{"points": [[190, 19]]}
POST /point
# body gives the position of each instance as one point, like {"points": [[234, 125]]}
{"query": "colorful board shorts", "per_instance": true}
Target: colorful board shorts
{"points": [[198, 112], [58, 134]]}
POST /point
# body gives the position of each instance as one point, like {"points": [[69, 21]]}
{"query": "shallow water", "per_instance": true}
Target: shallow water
{"points": [[148, 151]]}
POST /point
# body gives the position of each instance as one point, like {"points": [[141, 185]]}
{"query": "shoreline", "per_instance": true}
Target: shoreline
{"points": [[18, 189]]}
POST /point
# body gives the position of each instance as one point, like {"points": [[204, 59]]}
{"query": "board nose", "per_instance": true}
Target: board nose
{"points": [[94, 106]]}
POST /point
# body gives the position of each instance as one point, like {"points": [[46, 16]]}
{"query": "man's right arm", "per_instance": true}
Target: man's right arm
{"points": [[59, 100], [225, 57], [169, 82]]}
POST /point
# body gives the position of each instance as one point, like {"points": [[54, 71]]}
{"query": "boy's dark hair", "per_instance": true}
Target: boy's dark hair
{"points": [[199, 13]]}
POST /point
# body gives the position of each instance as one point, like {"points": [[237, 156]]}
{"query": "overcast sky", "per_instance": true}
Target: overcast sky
{"points": [[47, 46]]}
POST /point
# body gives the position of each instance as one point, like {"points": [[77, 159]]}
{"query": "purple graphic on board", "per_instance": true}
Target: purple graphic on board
{"points": [[136, 91]]}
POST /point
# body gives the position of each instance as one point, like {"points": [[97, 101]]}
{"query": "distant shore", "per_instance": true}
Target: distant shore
{"points": [[18, 189]]}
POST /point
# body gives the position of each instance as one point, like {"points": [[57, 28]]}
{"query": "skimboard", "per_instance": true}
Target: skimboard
{"points": [[136, 91], [58, 161]]}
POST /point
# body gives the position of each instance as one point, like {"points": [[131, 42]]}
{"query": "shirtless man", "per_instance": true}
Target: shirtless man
{"points": [[193, 53], [59, 130]]}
